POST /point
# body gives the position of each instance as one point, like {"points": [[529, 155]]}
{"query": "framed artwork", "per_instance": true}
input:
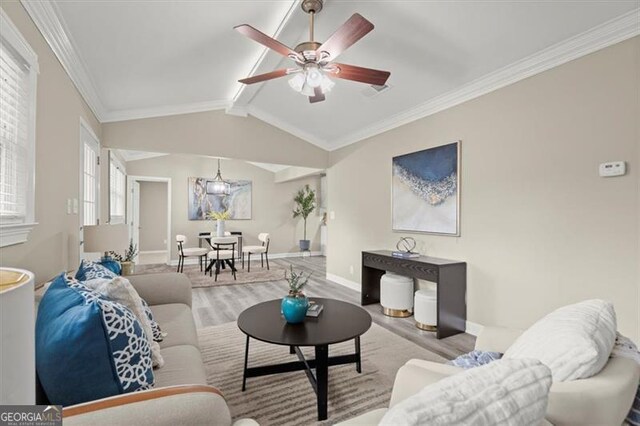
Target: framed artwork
{"points": [[238, 202], [425, 193]]}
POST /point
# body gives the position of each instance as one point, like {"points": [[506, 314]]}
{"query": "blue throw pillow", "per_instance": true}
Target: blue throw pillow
{"points": [[89, 270], [88, 347]]}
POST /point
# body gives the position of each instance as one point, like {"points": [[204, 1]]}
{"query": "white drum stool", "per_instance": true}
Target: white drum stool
{"points": [[396, 295], [426, 307]]}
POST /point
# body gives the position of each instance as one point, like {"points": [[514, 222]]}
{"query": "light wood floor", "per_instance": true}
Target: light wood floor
{"points": [[219, 305]]}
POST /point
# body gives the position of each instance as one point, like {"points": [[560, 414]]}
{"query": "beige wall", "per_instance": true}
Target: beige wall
{"points": [[214, 133], [539, 228], [53, 244], [272, 203], [153, 216]]}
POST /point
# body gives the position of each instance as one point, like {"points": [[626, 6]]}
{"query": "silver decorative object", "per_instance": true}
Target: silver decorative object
{"points": [[406, 244]]}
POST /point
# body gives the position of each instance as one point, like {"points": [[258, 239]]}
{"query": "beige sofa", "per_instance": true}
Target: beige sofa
{"points": [[604, 399], [181, 394]]}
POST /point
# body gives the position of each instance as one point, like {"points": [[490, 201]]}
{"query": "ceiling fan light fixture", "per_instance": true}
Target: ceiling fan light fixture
{"points": [[327, 84], [307, 90], [313, 75], [297, 82]]}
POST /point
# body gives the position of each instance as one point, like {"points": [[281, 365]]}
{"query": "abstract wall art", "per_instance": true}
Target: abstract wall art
{"points": [[426, 191], [238, 202]]}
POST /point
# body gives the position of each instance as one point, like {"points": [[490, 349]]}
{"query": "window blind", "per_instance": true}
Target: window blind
{"points": [[14, 125]]}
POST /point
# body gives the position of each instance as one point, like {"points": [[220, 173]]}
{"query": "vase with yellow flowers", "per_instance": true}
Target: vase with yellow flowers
{"points": [[220, 217]]}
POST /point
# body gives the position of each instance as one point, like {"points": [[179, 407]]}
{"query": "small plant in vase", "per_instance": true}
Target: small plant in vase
{"points": [[126, 261], [294, 306], [220, 217]]}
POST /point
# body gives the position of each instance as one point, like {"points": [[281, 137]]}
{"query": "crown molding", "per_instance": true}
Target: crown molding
{"points": [[599, 37], [289, 128], [50, 23], [163, 111]]}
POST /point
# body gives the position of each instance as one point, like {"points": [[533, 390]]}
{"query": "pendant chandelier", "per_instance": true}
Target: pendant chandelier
{"points": [[218, 186]]}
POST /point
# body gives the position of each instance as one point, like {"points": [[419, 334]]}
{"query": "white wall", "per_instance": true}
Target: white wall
{"points": [[272, 203], [539, 228]]}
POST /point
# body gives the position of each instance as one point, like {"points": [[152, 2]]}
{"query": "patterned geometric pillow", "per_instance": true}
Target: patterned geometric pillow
{"points": [[158, 334], [90, 270], [88, 347]]}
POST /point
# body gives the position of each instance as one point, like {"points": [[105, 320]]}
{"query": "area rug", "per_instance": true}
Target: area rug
{"points": [[198, 279], [288, 399]]}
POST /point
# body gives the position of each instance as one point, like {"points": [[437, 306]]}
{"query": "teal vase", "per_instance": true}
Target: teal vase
{"points": [[294, 308]]}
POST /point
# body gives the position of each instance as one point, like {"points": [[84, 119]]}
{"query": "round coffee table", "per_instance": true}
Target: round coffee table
{"points": [[338, 322]]}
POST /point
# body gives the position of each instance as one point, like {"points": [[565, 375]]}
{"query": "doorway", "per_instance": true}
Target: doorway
{"points": [[149, 218]]}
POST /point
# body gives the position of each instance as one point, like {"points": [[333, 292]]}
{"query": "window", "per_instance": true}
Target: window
{"points": [[18, 77], [90, 176], [117, 190]]}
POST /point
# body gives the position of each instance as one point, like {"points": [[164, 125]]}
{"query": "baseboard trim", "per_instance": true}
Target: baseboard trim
{"points": [[344, 282], [194, 260], [152, 252]]}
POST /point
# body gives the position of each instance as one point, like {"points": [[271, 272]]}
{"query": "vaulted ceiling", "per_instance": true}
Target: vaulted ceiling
{"points": [[140, 58]]}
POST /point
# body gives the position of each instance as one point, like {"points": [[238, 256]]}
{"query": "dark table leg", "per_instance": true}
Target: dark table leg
{"points": [[322, 378], [452, 306], [246, 363], [358, 358], [292, 350]]}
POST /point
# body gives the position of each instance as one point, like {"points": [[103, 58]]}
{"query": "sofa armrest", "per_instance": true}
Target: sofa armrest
{"points": [[415, 375], [604, 399], [172, 405], [496, 339], [163, 288]]}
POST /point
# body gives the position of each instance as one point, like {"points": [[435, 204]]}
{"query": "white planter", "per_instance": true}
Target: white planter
{"points": [[220, 228]]}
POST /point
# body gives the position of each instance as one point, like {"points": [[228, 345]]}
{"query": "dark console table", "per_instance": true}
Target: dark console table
{"points": [[450, 275]]}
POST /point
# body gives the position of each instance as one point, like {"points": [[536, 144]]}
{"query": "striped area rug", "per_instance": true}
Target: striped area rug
{"points": [[288, 399]]}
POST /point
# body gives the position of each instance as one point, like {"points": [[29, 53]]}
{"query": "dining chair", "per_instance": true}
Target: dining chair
{"points": [[262, 249], [223, 250], [184, 252]]}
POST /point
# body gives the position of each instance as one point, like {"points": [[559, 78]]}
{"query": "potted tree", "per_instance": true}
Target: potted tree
{"points": [[126, 262], [305, 201]]}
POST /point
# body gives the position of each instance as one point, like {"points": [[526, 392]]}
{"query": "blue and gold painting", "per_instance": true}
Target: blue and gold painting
{"points": [[237, 203], [425, 196]]}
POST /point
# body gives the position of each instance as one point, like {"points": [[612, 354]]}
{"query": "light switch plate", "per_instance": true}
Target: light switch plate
{"points": [[613, 168], [69, 206], [75, 206]]}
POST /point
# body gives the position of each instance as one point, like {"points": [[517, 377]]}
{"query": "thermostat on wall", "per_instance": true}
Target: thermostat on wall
{"points": [[614, 168]]}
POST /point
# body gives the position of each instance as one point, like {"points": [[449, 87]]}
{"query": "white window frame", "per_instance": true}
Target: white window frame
{"points": [[12, 231], [113, 192]]}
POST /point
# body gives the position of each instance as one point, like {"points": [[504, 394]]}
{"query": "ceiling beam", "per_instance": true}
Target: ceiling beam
{"points": [[245, 93]]}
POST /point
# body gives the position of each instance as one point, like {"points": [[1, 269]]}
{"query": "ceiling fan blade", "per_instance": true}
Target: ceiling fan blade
{"points": [[350, 32], [264, 77], [360, 74], [265, 40], [317, 97]]}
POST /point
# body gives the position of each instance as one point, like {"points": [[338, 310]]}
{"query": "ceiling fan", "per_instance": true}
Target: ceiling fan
{"points": [[314, 60]]}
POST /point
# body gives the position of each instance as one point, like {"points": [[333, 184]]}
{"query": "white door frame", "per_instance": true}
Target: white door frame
{"points": [[134, 178], [79, 202]]}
